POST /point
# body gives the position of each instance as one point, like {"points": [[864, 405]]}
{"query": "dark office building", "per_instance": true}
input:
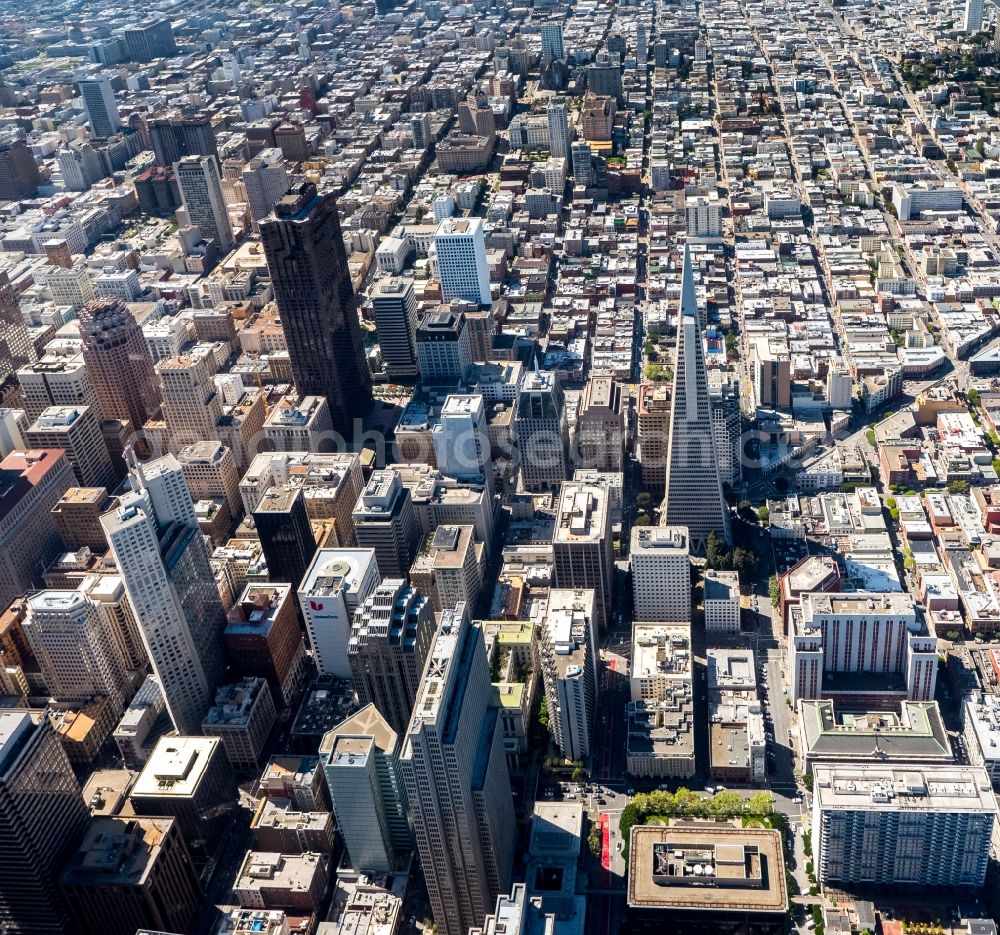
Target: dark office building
{"points": [[157, 191], [19, 176], [312, 287], [286, 537], [148, 43], [172, 138]]}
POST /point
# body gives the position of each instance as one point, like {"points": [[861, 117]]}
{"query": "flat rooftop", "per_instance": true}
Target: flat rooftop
{"points": [[709, 866], [913, 788]]}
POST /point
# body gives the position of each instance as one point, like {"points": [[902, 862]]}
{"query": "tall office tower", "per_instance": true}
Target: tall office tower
{"points": [[74, 648], [118, 362], [192, 403], [19, 175], [461, 439], [80, 166], [360, 758], [31, 484], [558, 122], [42, 815], [566, 622], [582, 546], [265, 181], [460, 246], [263, 639], [201, 190], [13, 425], [605, 77], [285, 533], [917, 826], [540, 431], [131, 873], [77, 518], [99, 104], [693, 489], [600, 426], [392, 631], [395, 309], [771, 369], [77, 431], [175, 137], [16, 348], [727, 425], [312, 287], [384, 520], [552, 41], [455, 772], [150, 42], [443, 350], [161, 555], [210, 471], [582, 162], [333, 588], [661, 574], [973, 19], [421, 130], [55, 380]]}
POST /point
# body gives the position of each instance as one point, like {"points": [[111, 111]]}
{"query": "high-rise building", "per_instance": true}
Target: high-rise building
{"points": [[192, 403], [262, 638], [461, 440], [567, 652], [693, 489], [337, 582], [395, 309], [210, 471], [150, 42], [74, 648], [661, 574], [972, 21], [582, 546], [16, 348], [99, 103], [421, 130], [42, 814], [80, 166], [19, 175], [161, 555], [55, 380], [312, 287], [360, 758], [201, 190], [552, 41], [605, 77], [582, 162], [31, 484], [772, 373], [118, 362], [129, 874], [443, 349], [384, 520], [835, 636], [727, 425], [285, 534], [77, 518], [265, 181], [77, 431], [175, 137], [390, 636], [455, 772], [460, 246], [540, 431], [600, 426], [560, 137], [918, 826]]}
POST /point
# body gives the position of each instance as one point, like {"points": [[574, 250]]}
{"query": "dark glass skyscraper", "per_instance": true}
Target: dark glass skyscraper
{"points": [[312, 286]]}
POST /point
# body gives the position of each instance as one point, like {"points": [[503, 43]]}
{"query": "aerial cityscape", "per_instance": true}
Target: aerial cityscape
{"points": [[505, 467]]}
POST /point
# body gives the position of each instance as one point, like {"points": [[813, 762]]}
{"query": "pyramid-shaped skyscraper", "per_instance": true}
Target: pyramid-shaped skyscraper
{"points": [[693, 496]]}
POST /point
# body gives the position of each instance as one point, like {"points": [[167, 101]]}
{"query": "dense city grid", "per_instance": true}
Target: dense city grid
{"points": [[519, 467]]}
